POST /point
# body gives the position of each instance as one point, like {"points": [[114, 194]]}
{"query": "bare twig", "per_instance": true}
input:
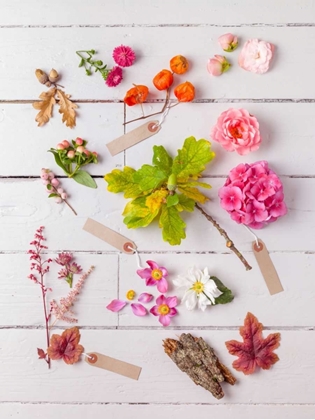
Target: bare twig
{"points": [[229, 242]]}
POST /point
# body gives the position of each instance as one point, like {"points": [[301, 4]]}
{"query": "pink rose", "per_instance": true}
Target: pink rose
{"points": [[228, 42], [218, 65], [256, 56], [237, 130]]}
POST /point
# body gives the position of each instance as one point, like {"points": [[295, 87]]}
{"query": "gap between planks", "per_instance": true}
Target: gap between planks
{"points": [[143, 252], [166, 25], [35, 177]]}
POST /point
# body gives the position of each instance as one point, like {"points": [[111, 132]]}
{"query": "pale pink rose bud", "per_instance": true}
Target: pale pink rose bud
{"points": [[228, 42], [58, 200], [80, 149], [86, 152], [55, 182], [64, 196], [51, 175], [65, 143], [94, 154], [60, 190], [218, 65], [60, 146], [71, 154], [78, 141], [45, 181]]}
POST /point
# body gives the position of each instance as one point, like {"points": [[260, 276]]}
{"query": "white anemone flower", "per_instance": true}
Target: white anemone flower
{"points": [[200, 289]]}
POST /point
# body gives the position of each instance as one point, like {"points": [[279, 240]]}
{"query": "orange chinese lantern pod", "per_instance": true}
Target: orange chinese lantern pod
{"points": [[163, 80], [136, 95], [179, 64], [185, 92]]}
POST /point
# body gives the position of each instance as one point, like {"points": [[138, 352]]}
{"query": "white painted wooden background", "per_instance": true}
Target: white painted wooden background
{"points": [[42, 34]]}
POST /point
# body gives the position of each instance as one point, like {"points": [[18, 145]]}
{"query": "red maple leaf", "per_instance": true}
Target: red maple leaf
{"points": [[255, 350], [66, 346]]}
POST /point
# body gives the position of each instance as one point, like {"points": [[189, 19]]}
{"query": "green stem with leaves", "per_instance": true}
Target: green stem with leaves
{"points": [[88, 63]]}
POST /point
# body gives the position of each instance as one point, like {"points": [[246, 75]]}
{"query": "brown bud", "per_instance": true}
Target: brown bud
{"points": [[53, 76], [41, 76], [229, 244], [48, 84]]}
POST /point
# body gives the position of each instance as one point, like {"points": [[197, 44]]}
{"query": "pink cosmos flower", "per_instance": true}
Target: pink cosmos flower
{"points": [[165, 309], [154, 276], [218, 65], [114, 77], [237, 130], [138, 309], [228, 42], [253, 195], [145, 298], [116, 305], [256, 56], [124, 56]]}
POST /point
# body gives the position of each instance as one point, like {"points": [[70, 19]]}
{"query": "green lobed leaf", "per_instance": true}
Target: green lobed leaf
{"points": [[192, 158], [194, 184], [58, 161], [227, 295], [149, 177], [172, 200], [122, 181], [193, 193], [162, 160], [137, 214], [185, 203], [173, 227], [84, 178]]}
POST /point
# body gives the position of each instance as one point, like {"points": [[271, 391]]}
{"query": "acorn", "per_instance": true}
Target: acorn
{"points": [[41, 76], [53, 76]]}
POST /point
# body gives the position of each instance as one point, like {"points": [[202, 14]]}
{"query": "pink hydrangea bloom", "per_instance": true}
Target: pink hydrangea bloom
{"points": [[218, 65], [165, 309], [124, 56], [256, 56], [114, 77], [154, 276], [237, 130], [228, 42], [253, 195]]}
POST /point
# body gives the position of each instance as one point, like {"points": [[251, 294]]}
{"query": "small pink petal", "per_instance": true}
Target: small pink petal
{"points": [[161, 300], [171, 302], [162, 285], [138, 309], [116, 305], [153, 265], [165, 320], [154, 310], [150, 282], [173, 312], [145, 297], [144, 273]]}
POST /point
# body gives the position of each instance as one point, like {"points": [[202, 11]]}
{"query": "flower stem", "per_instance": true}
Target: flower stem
{"points": [[229, 242], [46, 316]]}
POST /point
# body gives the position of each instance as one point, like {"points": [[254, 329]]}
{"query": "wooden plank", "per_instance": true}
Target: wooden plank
{"points": [[107, 12], [155, 47], [20, 295], [27, 379], [153, 411], [25, 206]]}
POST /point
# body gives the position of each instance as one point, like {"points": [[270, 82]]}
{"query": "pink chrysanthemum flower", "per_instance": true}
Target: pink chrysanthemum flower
{"points": [[154, 276], [165, 309], [114, 77], [124, 56]]}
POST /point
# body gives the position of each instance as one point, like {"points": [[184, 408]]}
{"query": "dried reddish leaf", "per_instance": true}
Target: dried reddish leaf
{"points": [[67, 108], [41, 353], [255, 350], [45, 106], [66, 346]]}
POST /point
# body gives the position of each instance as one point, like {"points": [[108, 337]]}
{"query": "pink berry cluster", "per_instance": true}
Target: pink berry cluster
{"points": [[76, 149], [52, 186], [253, 195]]}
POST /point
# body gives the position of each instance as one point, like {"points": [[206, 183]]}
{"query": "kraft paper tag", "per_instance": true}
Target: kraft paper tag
{"points": [[133, 137], [113, 365], [110, 236], [267, 268]]}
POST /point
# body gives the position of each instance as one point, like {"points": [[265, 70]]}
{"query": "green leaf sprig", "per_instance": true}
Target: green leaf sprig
{"points": [[165, 189], [72, 157], [88, 63]]}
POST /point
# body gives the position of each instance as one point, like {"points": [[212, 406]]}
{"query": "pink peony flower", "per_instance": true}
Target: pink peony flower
{"points": [[253, 195], [218, 65], [237, 130], [256, 56], [114, 77], [138, 309], [165, 309], [116, 305], [228, 42], [154, 276], [124, 56], [145, 298]]}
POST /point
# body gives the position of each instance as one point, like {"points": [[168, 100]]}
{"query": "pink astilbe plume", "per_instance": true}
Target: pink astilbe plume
{"points": [[41, 266], [62, 310]]}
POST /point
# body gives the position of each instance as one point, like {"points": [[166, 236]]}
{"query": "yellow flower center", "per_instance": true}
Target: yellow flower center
{"points": [[163, 309], [157, 274], [198, 287], [130, 295]]}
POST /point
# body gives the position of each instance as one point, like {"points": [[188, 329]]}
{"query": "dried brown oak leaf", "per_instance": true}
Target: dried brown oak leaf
{"points": [[67, 108], [255, 351], [66, 346], [45, 106]]}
